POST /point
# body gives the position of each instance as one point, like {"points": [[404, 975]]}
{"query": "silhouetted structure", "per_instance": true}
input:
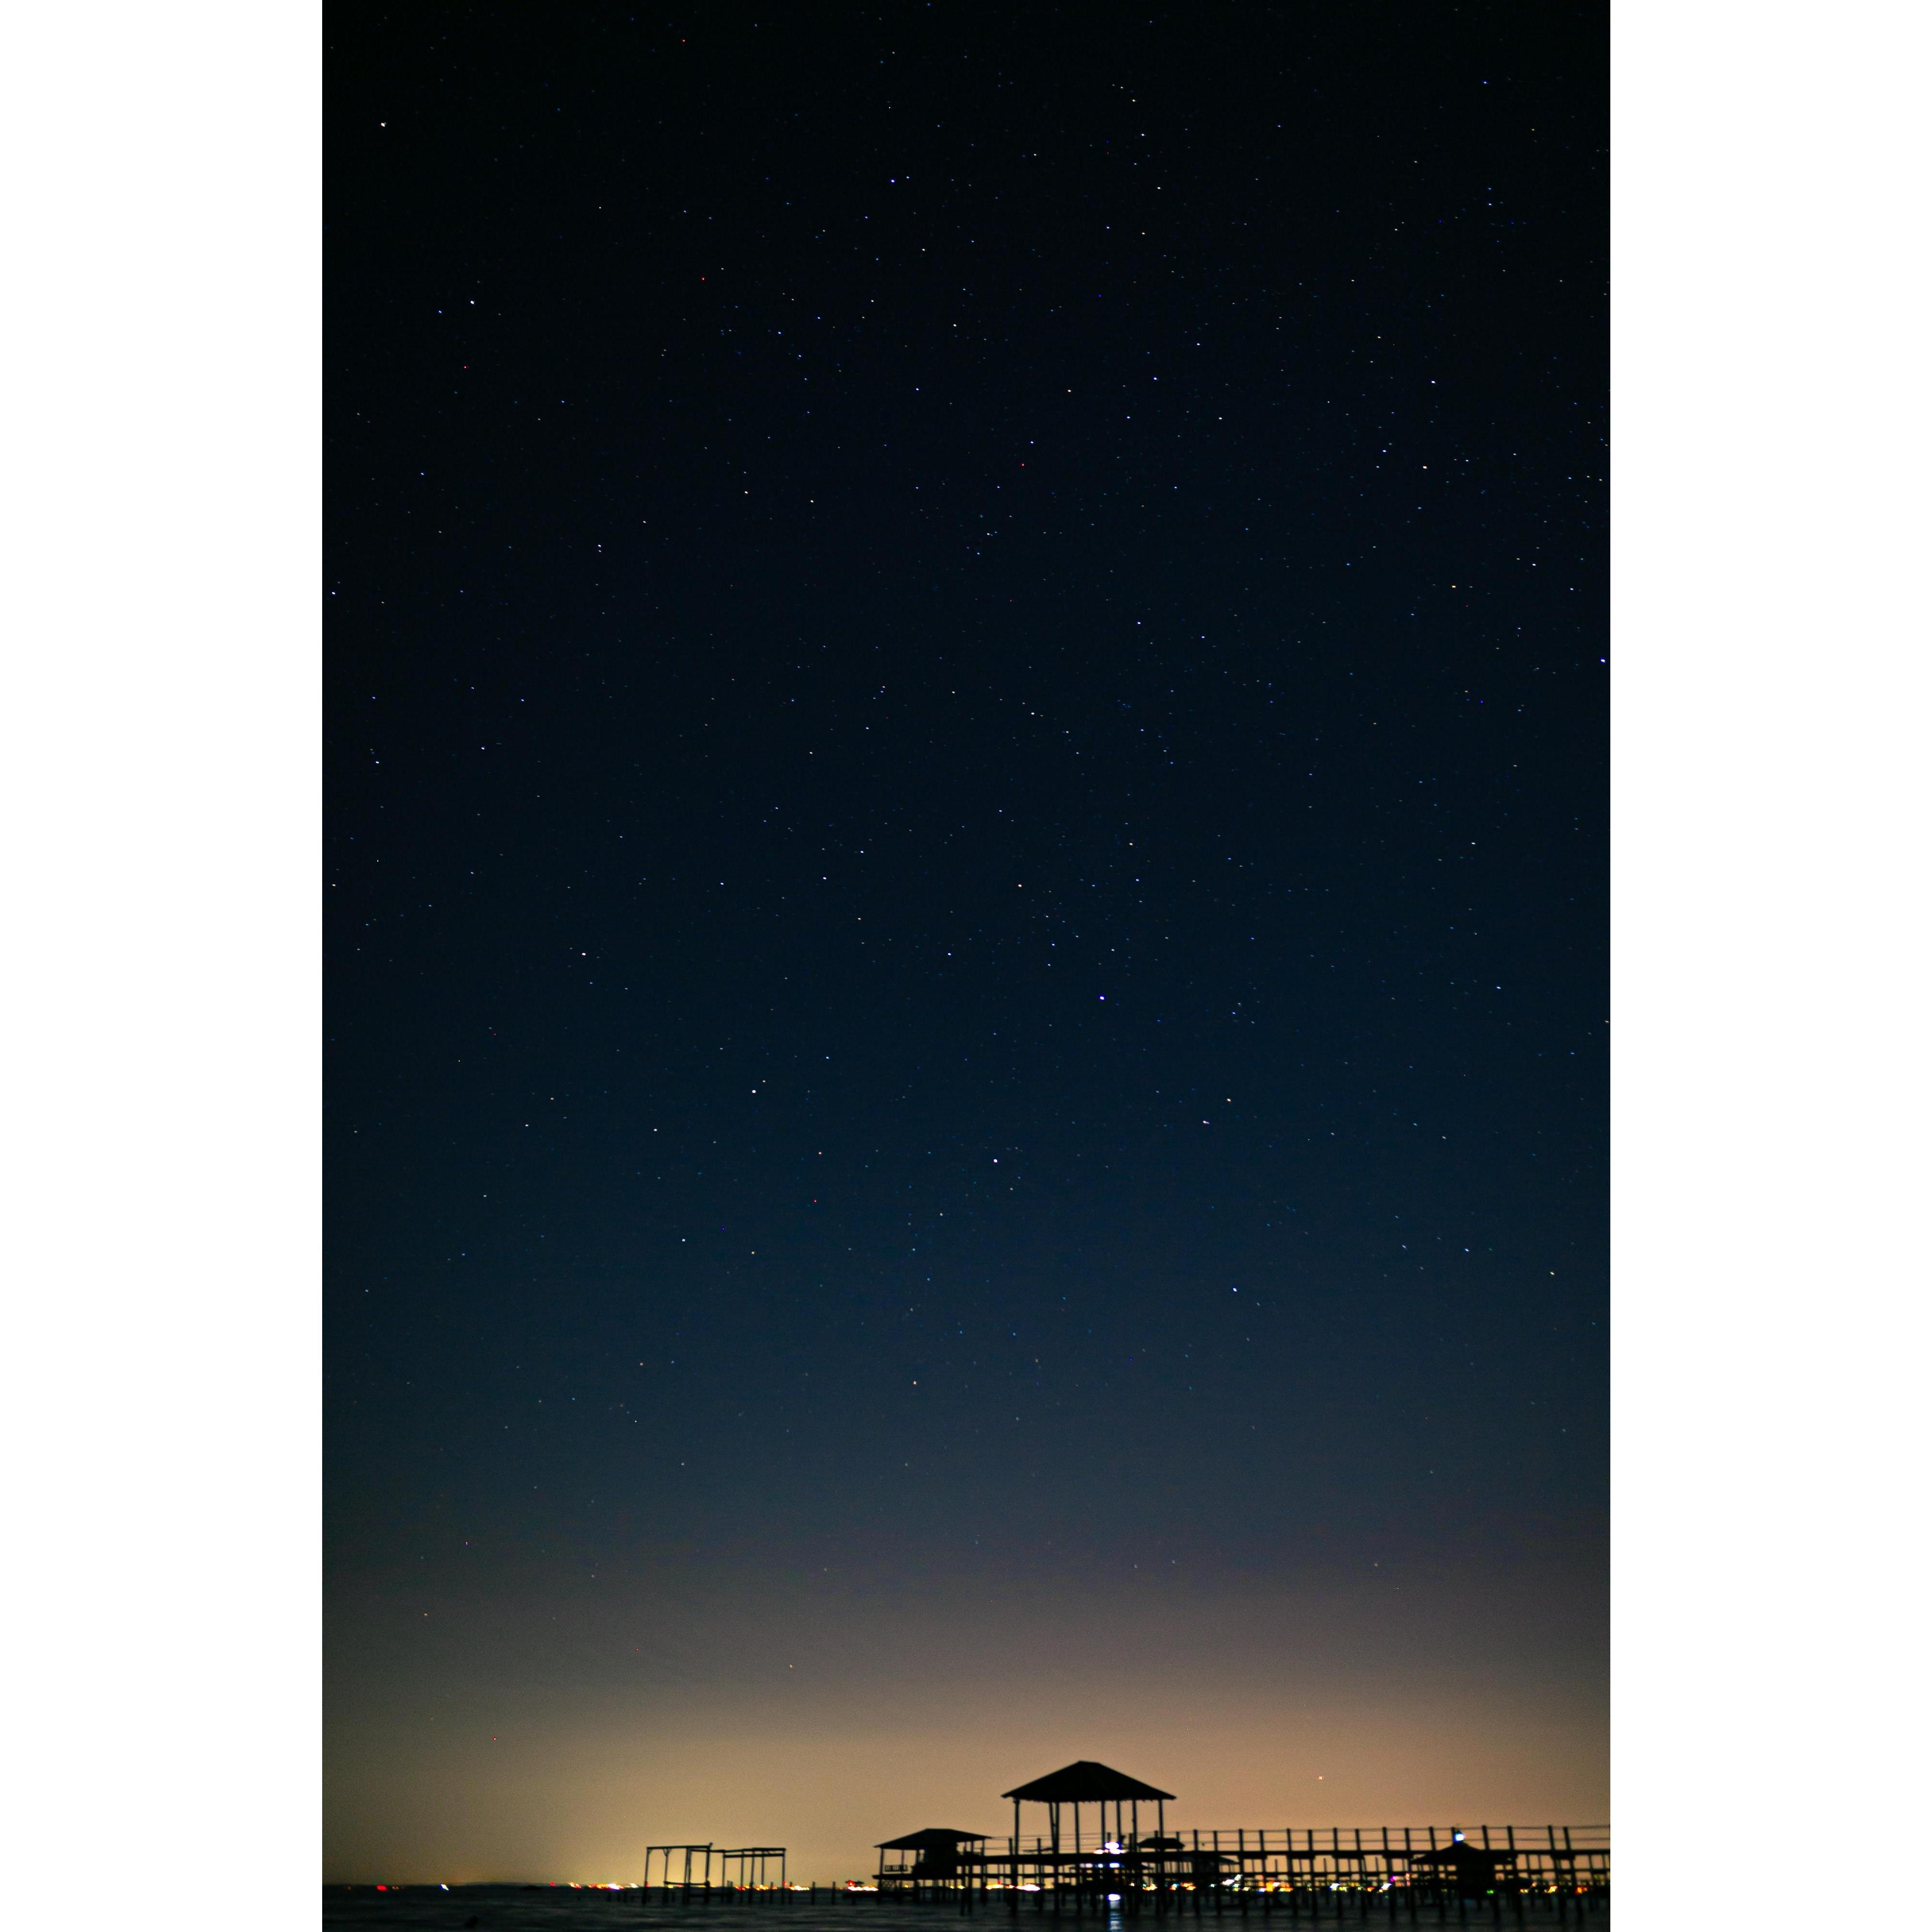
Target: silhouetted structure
{"points": [[753, 1861], [1545, 1874], [1301, 1872], [1084, 1782], [1471, 1871], [930, 1857], [1054, 1863]]}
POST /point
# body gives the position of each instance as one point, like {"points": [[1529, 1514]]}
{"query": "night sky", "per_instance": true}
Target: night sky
{"points": [[966, 715]]}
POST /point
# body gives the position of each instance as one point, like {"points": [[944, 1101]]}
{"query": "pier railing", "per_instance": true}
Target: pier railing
{"points": [[1531, 1858]]}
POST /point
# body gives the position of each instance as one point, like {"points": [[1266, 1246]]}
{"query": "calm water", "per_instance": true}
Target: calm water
{"points": [[509, 1908]]}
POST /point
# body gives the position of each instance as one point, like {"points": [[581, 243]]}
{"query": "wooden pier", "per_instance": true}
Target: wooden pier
{"points": [[753, 1864], [1094, 1857], [1300, 1871]]}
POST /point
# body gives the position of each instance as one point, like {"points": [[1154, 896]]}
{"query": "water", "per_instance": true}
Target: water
{"points": [[510, 1908]]}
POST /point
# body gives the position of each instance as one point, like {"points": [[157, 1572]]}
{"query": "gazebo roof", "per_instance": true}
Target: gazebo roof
{"points": [[934, 1838], [1083, 1783], [1458, 1849]]}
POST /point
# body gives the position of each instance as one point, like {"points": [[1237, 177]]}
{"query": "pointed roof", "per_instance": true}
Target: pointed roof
{"points": [[1459, 1851], [934, 1838], [1084, 1782]]}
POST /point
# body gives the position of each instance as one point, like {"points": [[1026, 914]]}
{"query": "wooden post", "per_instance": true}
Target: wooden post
{"points": [[1013, 1870]]}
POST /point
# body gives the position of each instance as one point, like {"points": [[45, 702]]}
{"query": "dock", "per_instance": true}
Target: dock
{"points": [[1095, 1857]]}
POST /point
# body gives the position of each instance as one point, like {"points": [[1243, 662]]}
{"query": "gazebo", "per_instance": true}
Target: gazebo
{"points": [[935, 1857], [1472, 1870], [1084, 1782]]}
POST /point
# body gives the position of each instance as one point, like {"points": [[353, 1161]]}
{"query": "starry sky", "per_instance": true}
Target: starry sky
{"points": [[966, 712]]}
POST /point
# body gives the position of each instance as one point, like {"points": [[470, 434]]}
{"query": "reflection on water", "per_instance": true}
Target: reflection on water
{"points": [[510, 1908]]}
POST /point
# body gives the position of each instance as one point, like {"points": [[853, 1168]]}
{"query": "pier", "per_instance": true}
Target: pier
{"points": [[1094, 1856], [753, 1864]]}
